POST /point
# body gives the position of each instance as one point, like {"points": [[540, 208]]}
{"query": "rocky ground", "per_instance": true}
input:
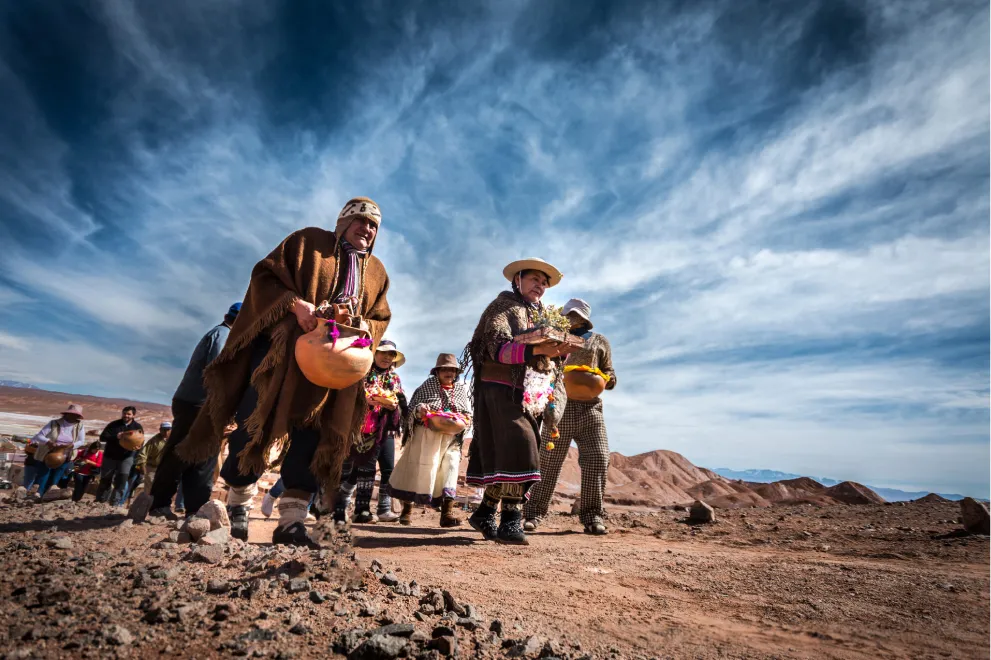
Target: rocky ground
{"points": [[798, 581]]}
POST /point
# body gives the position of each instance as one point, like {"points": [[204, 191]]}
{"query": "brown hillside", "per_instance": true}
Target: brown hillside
{"points": [[49, 404], [850, 492], [932, 498]]}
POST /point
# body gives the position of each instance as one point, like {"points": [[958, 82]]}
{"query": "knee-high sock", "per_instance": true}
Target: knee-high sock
{"points": [[292, 509], [241, 495]]}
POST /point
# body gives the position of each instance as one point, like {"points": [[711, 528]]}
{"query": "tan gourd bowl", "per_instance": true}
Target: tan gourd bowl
{"points": [[446, 425], [336, 366], [54, 458], [132, 440], [583, 386]]}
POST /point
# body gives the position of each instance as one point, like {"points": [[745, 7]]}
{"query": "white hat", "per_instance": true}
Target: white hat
{"points": [[579, 307], [533, 263], [389, 346]]}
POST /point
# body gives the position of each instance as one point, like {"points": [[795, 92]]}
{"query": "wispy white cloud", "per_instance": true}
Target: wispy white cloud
{"points": [[698, 219]]}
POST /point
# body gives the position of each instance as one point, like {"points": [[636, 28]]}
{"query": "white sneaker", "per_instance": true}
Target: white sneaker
{"points": [[268, 505]]}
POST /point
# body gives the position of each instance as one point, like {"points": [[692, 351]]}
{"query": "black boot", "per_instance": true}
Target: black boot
{"points": [[239, 521], [511, 528], [294, 534], [484, 521]]}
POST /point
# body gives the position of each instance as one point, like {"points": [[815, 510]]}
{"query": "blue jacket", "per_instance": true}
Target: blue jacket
{"points": [[191, 388]]}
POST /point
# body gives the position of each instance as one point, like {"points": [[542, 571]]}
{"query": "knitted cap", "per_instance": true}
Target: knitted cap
{"points": [[357, 207]]}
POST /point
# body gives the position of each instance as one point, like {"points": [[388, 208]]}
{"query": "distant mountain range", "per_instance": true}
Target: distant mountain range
{"points": [[768, 476], [17, 383]]}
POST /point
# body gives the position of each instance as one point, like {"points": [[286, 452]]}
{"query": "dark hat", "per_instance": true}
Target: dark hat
{"points": [[446, 361]]}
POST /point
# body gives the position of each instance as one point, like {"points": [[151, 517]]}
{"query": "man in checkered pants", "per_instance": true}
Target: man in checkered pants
{"points": [[582, 422]]}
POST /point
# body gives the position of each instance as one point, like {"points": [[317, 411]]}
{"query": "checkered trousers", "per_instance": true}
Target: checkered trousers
{"points": [[582, 422]]}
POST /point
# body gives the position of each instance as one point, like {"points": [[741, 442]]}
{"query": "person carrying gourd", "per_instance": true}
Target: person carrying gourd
{"points": [[59, 437], [427, 472], [256, 379], [582, 422]]}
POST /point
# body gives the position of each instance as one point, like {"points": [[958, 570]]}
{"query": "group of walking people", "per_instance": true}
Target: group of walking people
{"points": [[60, 453], [244, 388]]}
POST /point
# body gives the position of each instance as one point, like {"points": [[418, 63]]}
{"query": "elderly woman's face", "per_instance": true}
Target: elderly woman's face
{"points": [[447, 375], [361, 233], [384, 359], [532, 285]]}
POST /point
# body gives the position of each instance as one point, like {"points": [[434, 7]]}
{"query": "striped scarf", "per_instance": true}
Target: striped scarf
{"points": [[349, 279]]}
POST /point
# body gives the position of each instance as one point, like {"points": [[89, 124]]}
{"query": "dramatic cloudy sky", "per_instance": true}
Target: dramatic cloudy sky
{"points": [[778, 211]]}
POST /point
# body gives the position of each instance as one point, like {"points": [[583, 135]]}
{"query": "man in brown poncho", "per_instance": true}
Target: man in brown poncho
{"points": [[256, 380]]}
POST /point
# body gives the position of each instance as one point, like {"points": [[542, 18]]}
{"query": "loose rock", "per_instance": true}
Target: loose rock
{"points": [[219, 536], [218, 587], [197, 528], [974, 516], [700, 512], [216, 512], [118, 635], [140, 507], [210, 554], [379, 647]]}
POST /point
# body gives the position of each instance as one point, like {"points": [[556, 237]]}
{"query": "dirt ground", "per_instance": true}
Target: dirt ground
{"points": [[873, 581]]}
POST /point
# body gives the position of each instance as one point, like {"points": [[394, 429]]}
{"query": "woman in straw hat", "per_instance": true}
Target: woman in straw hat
{"points": [[512, 385], [257, 381], [427, 472], [376, 443]]}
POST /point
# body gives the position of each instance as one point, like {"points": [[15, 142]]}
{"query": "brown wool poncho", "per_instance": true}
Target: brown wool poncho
{"points": [[304, 266]]}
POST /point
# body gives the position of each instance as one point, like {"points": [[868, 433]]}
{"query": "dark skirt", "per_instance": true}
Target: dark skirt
{"points": [[504, 448]]}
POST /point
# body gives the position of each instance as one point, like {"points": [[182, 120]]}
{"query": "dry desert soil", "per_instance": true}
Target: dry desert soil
{"points": [[790, 581]]}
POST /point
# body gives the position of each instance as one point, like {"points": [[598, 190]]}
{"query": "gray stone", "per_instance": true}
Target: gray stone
{"points": [[467, 624], [197, 527], [298, 585], [118, 635], [369, 609], [216, 512], [316, 597], [349, 641], [210, 554], [472, 612], [61, 543], [379, 647], [219, 536], [299, 629], [218, 586], [140, 507], [974, 516], [396, 630], [389, 579], [451, 605], [700, 512], [496, 626]]}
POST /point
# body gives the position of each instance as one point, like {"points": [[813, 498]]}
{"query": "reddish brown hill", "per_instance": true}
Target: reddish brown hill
{"points": [[49, 404], [933, 498], [850, 492]]}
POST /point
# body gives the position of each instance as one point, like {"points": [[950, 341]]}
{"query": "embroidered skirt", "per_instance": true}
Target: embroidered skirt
{"points": [[504, 449]]}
